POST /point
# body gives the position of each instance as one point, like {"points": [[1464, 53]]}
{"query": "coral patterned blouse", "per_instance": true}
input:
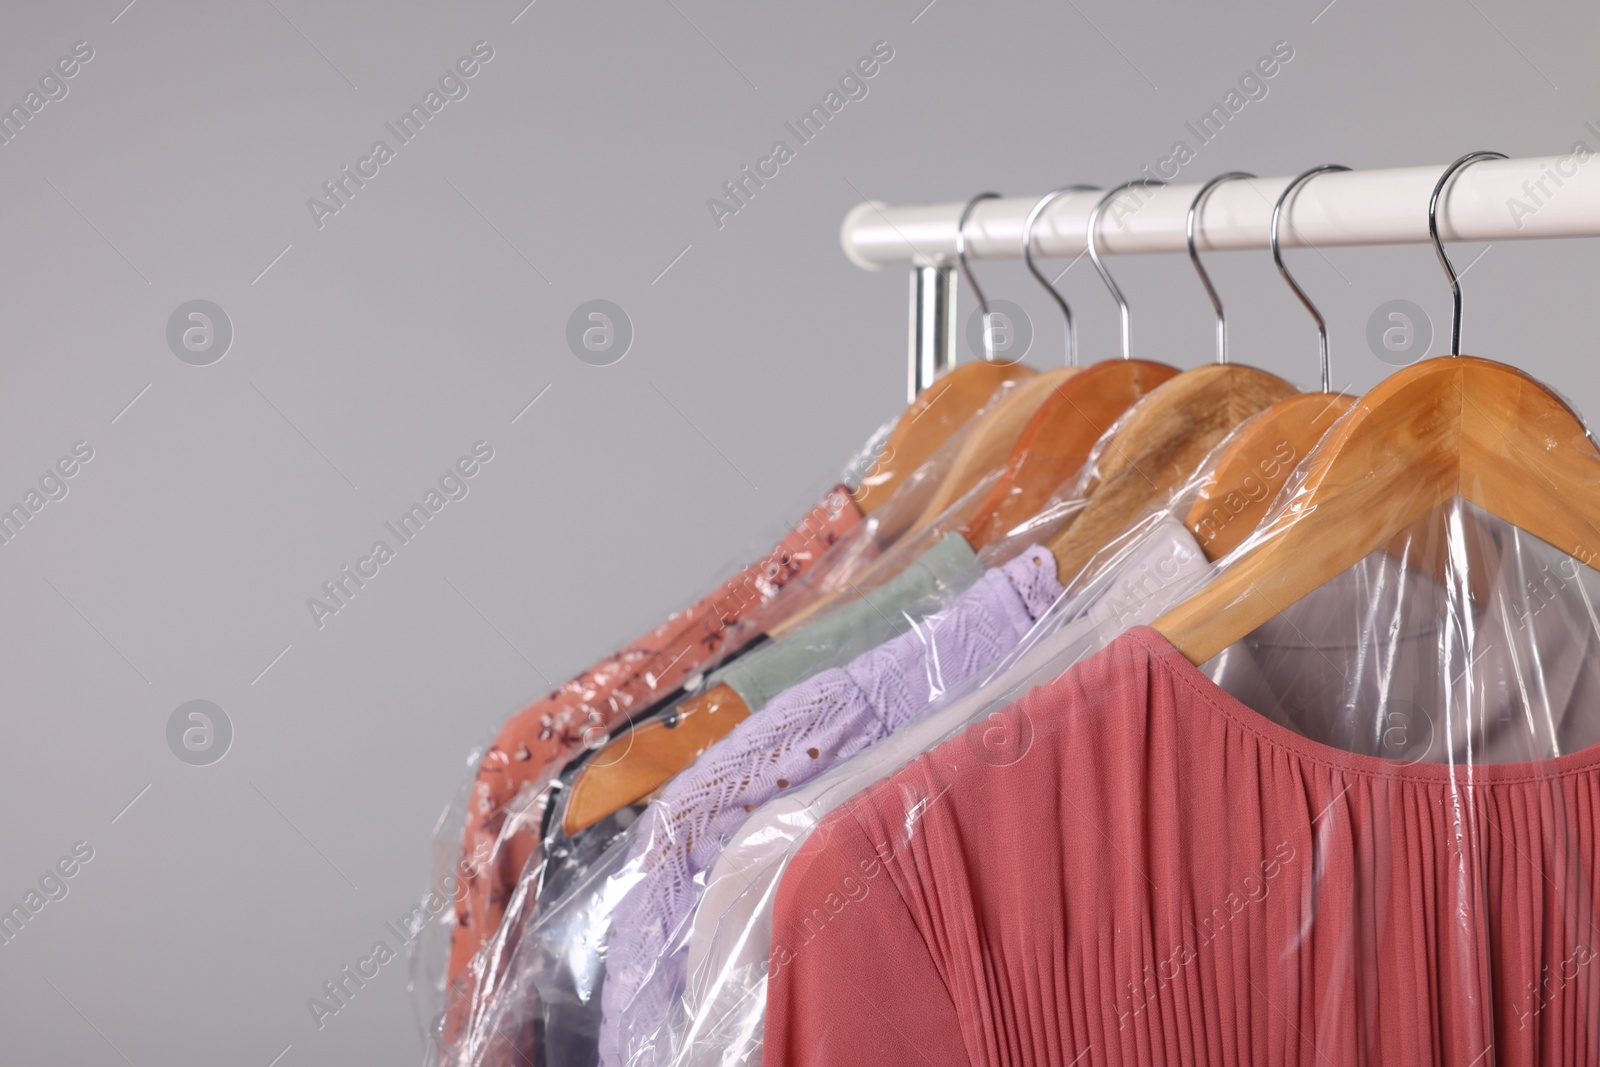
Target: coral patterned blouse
{"points": [[534, 745]]}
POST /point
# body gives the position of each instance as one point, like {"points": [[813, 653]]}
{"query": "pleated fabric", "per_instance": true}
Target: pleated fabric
{"points": [[1128, 866]]}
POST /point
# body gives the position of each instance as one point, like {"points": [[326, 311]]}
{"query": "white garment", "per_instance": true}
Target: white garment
{"points": [[731, 938]]}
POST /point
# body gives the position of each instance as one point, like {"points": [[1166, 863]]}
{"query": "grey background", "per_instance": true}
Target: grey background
{"points": [[428, 313]]}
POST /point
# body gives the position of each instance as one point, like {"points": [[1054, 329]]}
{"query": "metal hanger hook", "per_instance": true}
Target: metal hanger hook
{"points": [[1438, 245], [1094, 254], [1194, 255], [1027, 257], [1277, 257], [966, 272]]}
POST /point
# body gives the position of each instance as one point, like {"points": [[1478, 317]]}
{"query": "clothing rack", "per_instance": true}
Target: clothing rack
{"points": [[1496, 200]]}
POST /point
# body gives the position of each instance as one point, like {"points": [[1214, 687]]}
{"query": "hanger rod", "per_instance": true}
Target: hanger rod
{"points": [[1550, 196]]}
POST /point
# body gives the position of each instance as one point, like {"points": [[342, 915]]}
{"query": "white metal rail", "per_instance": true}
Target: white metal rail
{"points": [[1492, 200], [1495, 200]]}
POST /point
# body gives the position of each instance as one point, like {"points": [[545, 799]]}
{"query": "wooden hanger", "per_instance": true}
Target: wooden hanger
{"points": [[989, 448], [1063, 429], [1254, 462], [1058, 441], [1159, 446], [1253, 466], [969, 397], [1456, 426], [992, 440], [989, 440], [930, 421]]}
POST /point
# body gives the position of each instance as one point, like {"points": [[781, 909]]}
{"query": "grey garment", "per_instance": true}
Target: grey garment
{"points": [[929, 583], [1388, 660], [563, 956]]}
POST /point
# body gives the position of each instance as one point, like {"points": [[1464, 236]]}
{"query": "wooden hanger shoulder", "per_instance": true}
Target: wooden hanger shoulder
{"points": [[649, 755], [1058, 439], [929, 422], [990, 441], [1455, 426], [1159, 444], [1254, 464]]}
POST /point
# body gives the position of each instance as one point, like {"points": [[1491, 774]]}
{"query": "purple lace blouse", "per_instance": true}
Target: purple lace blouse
{"points": [[798, 735]]}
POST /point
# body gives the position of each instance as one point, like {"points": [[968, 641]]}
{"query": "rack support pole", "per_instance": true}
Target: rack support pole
{"points": [[932, 325]]}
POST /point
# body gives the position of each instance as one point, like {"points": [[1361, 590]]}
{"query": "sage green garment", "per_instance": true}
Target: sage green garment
{"points": [[932, 581]]}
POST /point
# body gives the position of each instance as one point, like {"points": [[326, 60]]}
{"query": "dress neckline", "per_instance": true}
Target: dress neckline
{"points": [[1466, 775]]}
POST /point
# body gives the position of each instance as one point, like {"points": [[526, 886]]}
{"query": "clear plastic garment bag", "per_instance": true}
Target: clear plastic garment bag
{"points": [[460, 1013], [1440, 694], [539, 980], [1326, 796]]}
